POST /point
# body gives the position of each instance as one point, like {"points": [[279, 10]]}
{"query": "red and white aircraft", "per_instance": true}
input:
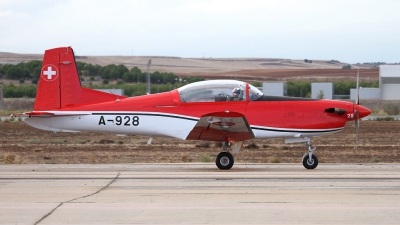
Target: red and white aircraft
{"points": [[229, 111]]}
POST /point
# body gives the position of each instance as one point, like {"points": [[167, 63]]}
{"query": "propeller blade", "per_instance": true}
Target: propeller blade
{"points": [[357, 88], [357, 126], [356, 113]]}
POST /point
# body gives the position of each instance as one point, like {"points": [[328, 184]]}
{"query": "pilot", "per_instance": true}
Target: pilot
{"points": [[235, 94]]}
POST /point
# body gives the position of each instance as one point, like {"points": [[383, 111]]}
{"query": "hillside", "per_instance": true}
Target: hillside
{"points": [[246, 69], [190, 65]]}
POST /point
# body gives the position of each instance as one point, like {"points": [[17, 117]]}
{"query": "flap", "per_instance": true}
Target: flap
{"points": [[222, 126]]}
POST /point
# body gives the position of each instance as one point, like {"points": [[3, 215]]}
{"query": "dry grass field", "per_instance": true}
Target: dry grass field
{"points": [[20, 143]]}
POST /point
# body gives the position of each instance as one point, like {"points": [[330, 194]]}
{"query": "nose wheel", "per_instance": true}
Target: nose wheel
{"points": [[310, 161]]}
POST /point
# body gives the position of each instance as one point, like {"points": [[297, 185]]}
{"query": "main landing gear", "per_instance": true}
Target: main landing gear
{"points": [[310, 161], [224, 159]]}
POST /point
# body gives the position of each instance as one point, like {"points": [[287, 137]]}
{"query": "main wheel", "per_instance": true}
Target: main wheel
{"points": [[224, 161], [310, 164]]}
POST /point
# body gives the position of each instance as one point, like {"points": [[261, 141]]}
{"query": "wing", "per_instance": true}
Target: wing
{"points": [[222, 126]]}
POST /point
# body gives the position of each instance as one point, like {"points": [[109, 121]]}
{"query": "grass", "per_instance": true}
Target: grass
{"points": [[375, 160], [203, 145], [387, 118], [9, 112], [186, 158], [52, 141], [10, 158], [273, 159], [106, 141], [206, 158], [252, 146]]}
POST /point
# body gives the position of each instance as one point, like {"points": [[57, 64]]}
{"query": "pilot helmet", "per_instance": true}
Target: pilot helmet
{"points": [[236, 92]]}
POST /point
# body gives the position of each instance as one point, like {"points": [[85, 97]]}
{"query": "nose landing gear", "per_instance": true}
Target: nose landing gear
{"points": [[310, 161]]}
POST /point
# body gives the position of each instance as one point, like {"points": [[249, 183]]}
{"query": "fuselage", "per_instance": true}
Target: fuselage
{"points": [[165, 114]]}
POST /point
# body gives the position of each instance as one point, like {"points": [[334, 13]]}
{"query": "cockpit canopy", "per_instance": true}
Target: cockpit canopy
{"points": [[217, 91]]}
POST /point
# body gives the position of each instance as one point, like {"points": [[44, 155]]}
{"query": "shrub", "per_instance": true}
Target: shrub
{"points": [[106, 81], [375, 160], [9, 158], [273, 159], [218, 144], [203, 145], [106, 141], [22, 80], [206, 158], [252, 146], [391, 108], [347, 66], [34, 81], [387, 118]]}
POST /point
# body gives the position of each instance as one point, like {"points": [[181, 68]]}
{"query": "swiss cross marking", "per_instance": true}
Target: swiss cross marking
{"points": [[49, 72]]}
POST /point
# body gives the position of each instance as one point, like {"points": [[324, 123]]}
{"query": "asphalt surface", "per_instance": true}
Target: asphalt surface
{"points": [[200, 194]]}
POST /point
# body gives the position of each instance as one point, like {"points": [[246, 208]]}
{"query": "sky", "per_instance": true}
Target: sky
{"points": [[353, 31]]}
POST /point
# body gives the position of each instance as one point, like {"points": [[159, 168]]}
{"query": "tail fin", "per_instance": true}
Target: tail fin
{"points": [[59, 83]]}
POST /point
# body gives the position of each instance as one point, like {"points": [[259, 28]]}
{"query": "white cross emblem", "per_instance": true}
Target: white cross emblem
{"points": [[49, 73]]}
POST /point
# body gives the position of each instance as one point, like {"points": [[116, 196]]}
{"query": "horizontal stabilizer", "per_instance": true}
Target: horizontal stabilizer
{"points": [[49, 114]]}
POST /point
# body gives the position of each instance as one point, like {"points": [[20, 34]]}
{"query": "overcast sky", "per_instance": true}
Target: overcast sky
{"points": [[345, 30]]}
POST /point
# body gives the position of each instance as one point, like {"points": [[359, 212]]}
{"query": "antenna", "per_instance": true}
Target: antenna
{"points": [[117, 99], [148, 76]]}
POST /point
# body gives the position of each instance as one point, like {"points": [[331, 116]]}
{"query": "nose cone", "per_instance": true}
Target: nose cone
{"points": [[361, 111]]}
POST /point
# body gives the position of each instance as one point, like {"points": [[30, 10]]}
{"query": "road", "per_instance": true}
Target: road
{"points": [[200, 194]]}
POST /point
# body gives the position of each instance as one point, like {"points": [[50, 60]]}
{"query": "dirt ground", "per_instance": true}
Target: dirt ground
{"points": [[20, 143]]}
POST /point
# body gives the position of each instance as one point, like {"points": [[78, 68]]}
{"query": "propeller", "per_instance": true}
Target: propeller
{"points": [[356, 112]]}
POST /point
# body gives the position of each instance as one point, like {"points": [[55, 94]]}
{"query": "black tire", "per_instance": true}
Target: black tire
{"points": [[224, 161], [310, 165]]}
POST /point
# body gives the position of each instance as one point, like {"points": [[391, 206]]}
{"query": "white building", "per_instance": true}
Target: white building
{"points": [[112, 91], [389, 85], [366, 93], [389, 82], [274, 89], [324, 89]]}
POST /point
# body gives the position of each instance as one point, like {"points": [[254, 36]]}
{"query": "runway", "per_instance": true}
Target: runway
{"points": [[200, 194]]}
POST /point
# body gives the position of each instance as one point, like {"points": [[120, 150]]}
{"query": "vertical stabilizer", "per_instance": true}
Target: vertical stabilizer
{"points": [[59, 84]]}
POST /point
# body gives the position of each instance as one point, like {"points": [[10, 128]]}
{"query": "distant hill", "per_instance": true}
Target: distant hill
{"points": [[190, 65], [246, 69]]}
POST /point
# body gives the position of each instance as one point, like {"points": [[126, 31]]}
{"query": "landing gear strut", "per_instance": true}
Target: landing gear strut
{"points": [[224, 159], [310, 161]]}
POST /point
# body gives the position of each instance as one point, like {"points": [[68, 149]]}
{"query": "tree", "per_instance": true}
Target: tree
{"points": [[17, 72], [321, 94], [36, 73], [347, 66], [32, 65]]}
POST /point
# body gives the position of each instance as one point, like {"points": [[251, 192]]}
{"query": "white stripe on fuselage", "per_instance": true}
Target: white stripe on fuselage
{"points": [[135, 123], [148, 123]]}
